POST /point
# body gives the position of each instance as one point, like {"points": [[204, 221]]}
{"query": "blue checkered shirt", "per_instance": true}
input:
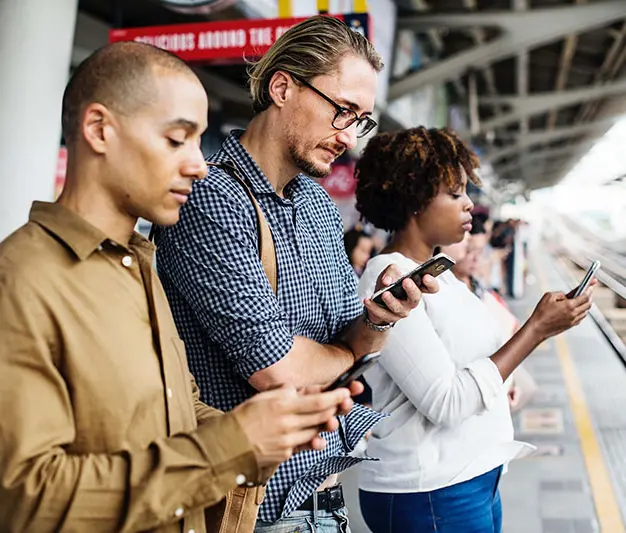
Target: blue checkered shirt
{"points": [[231, 321]]}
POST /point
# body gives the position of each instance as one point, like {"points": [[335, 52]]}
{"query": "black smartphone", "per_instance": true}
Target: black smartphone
{"points": [[582, 287], [355, 371], [436, 265]]}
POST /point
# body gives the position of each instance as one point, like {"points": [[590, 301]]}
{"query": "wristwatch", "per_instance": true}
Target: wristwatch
{"points": [[376, 327]]}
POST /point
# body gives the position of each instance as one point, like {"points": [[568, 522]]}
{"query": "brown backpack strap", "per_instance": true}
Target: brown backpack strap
{"points": [[267, 251]]}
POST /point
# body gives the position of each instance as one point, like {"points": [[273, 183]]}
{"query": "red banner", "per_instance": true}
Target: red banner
{"points": [[221, 40], [340, 183]]}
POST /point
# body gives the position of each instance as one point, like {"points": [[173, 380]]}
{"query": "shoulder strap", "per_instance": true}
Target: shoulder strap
{"points": [[267, 251]]}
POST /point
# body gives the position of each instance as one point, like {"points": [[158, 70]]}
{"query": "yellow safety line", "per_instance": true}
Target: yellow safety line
{"points": [[607, 509]]}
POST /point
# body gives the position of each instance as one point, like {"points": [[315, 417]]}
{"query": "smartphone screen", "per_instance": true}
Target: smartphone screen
{"points": [[355, 371], [582, 287], [434, 266]]}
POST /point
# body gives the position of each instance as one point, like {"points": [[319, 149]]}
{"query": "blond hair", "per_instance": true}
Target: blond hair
{"points": [[311, 48]]}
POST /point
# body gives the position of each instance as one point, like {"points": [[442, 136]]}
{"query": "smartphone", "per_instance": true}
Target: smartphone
{"points": [[582, 287], [355, 371], [436, 265]]}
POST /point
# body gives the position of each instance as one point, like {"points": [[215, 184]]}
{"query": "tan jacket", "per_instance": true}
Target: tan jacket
{"points": [[101, 427]]}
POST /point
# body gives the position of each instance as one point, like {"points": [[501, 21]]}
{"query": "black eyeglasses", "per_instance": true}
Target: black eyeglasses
{"points": [[344, 117]]}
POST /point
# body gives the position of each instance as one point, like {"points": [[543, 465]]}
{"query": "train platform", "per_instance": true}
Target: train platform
{"points": [[576, 480]]}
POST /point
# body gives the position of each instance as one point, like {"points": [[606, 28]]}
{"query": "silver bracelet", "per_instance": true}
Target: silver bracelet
{"points": [[376, 327]]}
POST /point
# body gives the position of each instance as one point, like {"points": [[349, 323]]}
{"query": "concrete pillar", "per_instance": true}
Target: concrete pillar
{"points": [[35, 52]]}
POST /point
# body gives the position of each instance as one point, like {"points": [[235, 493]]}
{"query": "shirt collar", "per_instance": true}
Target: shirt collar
{"points": [[81, 237], [256, 178]]}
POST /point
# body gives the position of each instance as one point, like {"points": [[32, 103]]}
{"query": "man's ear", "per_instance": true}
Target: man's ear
{"points": [[96, 119], [281, 88]]}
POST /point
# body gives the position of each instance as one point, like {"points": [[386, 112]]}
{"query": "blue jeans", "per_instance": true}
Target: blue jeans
{"points": [[305, 522], [472, 506]]}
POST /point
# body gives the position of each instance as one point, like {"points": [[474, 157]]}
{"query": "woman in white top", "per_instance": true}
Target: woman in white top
{"points": [[442, 373]]}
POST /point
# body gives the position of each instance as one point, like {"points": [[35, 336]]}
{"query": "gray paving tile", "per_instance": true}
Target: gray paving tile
{"points": [[565, 485], [556, 525], [568, 505], [515, 521], [585, 526]]}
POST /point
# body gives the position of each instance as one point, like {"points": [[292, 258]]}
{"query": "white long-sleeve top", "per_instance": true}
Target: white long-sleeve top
{"points": [[449, 414]]}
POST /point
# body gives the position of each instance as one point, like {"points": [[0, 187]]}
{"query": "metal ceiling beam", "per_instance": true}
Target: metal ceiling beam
{"points": [[479, 38], [521, 6], [550, 174], [610, 67], [545, 136], [573, 17], [523, 30], [539, 166], [542, 178], [552, 153], [436, 41], [567, 56], [542, 102]]}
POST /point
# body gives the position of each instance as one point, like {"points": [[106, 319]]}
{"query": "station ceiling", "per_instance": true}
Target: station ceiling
{"points": [[543, 79]]}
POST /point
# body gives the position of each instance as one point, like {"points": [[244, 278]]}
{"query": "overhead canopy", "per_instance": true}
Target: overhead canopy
{"points": [[549, 76]]}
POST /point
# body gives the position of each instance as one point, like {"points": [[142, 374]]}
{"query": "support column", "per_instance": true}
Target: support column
{"points": [[35, 53]]}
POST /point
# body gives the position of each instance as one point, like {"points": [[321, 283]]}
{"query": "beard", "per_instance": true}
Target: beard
{"points": [[306, 166]]}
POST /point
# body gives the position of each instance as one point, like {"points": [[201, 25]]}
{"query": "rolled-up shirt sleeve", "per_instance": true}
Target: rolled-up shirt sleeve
{"points": [[211, 259], [45, 488], [488, 379]]}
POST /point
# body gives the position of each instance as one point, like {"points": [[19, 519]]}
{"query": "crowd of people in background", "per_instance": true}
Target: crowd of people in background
{"points": [[491, 249]]}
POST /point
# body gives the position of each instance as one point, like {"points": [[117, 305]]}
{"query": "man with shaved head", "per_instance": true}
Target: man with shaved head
{"points": [[102, 429]]}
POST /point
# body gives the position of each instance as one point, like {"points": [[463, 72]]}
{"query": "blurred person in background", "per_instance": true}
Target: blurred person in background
{"points": [[502, 243], [105, 431], [481, 236], [442, 376], [359, 248], [313, 93]]}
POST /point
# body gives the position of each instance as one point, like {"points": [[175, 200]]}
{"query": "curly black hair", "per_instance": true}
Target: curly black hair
{"points": [[400, 173]]}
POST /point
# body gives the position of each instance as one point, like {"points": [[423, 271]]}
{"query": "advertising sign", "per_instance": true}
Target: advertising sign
{"points": [[232, 40]]}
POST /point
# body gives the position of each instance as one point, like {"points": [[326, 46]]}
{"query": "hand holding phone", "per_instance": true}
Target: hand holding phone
{"points": [[434, 266], [355, 371], [582, 287]]}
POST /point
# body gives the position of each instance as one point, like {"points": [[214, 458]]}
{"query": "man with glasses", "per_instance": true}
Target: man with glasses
{"points": [[313, 93], [344, 117]]}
